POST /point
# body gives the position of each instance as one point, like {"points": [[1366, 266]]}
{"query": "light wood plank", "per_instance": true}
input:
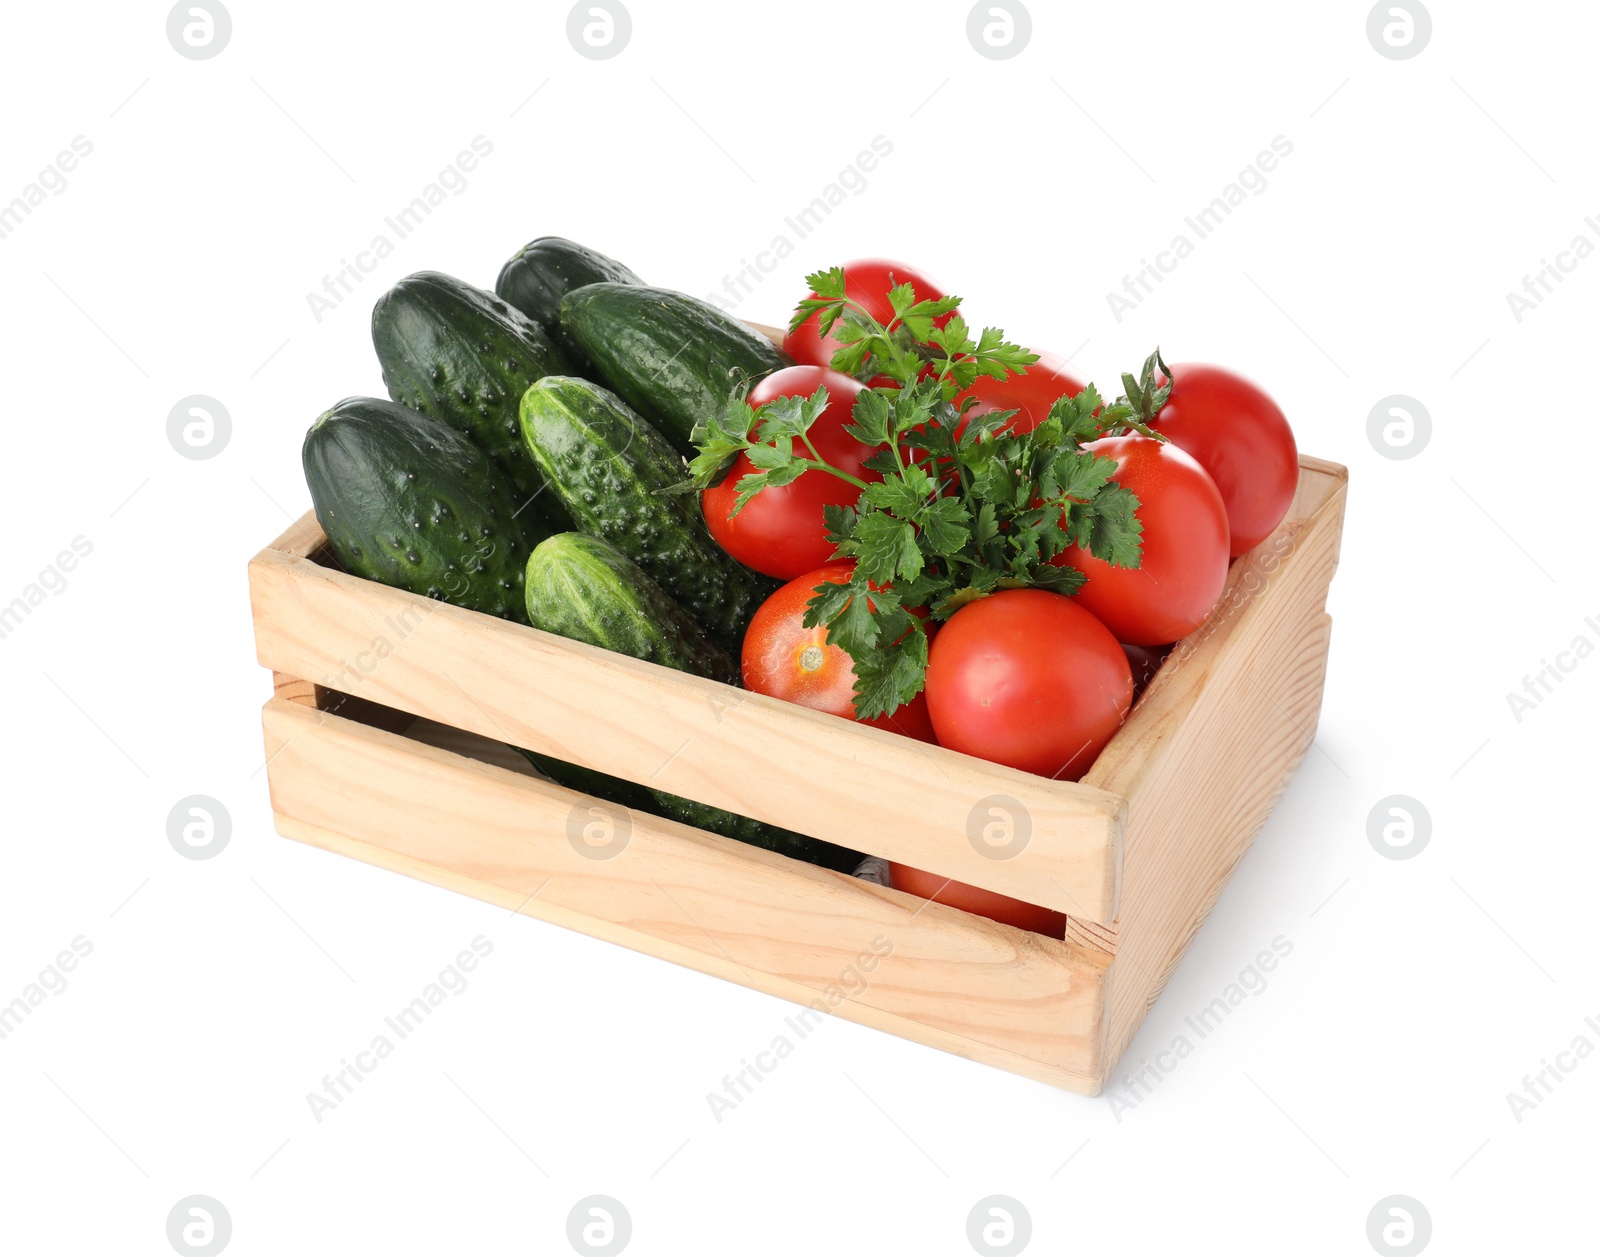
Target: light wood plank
{"points": [[962, 984], [860, 787], [1223, 742]]}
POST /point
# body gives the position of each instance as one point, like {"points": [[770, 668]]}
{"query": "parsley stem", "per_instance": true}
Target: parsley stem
{"points": [[821, 464]]}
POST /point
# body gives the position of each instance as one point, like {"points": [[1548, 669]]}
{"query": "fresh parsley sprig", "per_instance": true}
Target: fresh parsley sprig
{"points": [[963, 508]]}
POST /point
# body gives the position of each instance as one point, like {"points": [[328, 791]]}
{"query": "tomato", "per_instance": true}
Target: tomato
{"points": [[784, 658], [976, 900], [1238, 434], [1032, 393], [866, 282], [1028, 678], [780, 531], [1184, 563]]}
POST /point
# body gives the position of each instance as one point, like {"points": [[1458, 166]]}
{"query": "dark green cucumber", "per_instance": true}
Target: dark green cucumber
{"points": [[463, 356], [588, 781], [544, 271], [674, 359], [411, 503], [757, 833], [702, 816], [613, 472], [585, 588]]}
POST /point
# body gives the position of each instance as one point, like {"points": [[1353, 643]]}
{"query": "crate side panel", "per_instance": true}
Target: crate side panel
{"points": [[829, 778], [675, 892], [1202, 793]]}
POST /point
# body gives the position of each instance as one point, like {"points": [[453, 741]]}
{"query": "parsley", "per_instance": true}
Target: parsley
{"points": [[956, 516]]}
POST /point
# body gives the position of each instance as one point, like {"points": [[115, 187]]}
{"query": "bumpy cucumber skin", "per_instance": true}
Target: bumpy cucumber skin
{"points": [[673, 358], [757, 833], [611, 468], [713, 819], [588, 781], [411, 503], [464, 356], [584, 588], [544, 271]]}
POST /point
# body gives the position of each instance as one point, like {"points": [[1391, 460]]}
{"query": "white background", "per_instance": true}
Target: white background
{"points": [[178, 260]]}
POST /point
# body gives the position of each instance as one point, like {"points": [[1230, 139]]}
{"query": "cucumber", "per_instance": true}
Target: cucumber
{"points": [[463, 356], [411, 503], [588, 781], [544, 271], [586, 589], [757, 833], [614, 473], [673, 358], [713, 819]]}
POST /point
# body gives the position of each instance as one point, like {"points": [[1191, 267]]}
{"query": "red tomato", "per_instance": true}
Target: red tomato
{"points": [[1185, 559], [780, 531], [1032, 393], [976, 900], [1238, 434], [1028, 678], [866, 282], [785, 659]]}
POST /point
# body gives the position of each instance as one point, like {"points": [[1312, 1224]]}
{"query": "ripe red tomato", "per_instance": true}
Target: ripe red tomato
{"points": [[785, 659], [1184, 564], [780, 531], [866, 282], [1028, 678], [1238, 434], [976, 900], [1032, 393]]}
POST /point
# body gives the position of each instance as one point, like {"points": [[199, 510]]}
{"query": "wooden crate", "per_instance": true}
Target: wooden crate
{"points": [[386, 740]]}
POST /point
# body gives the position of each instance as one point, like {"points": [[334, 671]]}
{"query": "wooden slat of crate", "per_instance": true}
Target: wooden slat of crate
{"points": [[860, 787], [1008, 998], [1223, 731], [1199, 764]]}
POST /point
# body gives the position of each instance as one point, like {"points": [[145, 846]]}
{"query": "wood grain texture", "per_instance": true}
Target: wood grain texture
{"points": [[1158, 824], [838, 944], [1231, 720], [885, 795]]}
